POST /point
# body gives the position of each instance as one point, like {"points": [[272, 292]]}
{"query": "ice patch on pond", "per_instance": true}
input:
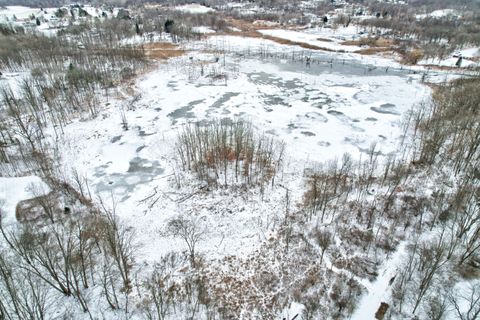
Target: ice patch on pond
{"points": [[185, 112], [140, 171], [386, 108]]}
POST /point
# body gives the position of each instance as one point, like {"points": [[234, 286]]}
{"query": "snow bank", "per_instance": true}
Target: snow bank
{"points": [[351, 32]]}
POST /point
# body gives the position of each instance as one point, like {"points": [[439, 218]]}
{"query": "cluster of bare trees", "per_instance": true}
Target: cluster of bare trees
{"points": [[447, 140], [449, 128], [61, 81], [167, 293], [427, 272], [82, 255], [361, 209], [183, 22], [75, 43], [64, 255], [161, 290], [226, 153], [434, 37], [383, 200], [326, 185]]}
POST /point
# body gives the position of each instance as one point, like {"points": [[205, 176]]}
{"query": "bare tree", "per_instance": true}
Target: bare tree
{"points": [[431, 257], [470, 300], [190, 231], [437, 306], [161, 292], [22, 294], [326, 185], [117, 242], [324, 239]]}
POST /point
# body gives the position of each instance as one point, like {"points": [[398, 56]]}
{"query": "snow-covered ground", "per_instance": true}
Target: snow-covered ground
{"points": [[470, 53], [194, 8], [16, 189], [310, 39], [334, 104], [202, 30], [443, 13], [332, 40], [248, 45], [448, 62], [321, 112], [352, 32], [380, 289], [470, 58], [21, 12], [13, 80]]}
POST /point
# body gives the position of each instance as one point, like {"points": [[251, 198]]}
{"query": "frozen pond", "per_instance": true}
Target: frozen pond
{"points": [[321, 110]]}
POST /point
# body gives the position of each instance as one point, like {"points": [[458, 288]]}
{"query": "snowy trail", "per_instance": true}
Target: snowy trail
{"points": [[378, 291]]}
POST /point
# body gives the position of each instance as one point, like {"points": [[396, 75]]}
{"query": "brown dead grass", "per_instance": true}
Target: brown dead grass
{"points": [[383, 42], [411, 57], [372, 51], [383, 46], [295, 43], [246, 25], [351, 43], [374, 43], [162, 50]]}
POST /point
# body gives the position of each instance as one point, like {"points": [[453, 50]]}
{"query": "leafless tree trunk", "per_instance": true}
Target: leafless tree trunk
{"points": [[190, 231], [470, 299]]}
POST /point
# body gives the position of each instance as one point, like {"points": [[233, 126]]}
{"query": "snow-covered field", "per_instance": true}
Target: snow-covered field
{"points": [[380, 289], [312, 38], [448, 62], [194, 8], [338, 104], [21, 12]]}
